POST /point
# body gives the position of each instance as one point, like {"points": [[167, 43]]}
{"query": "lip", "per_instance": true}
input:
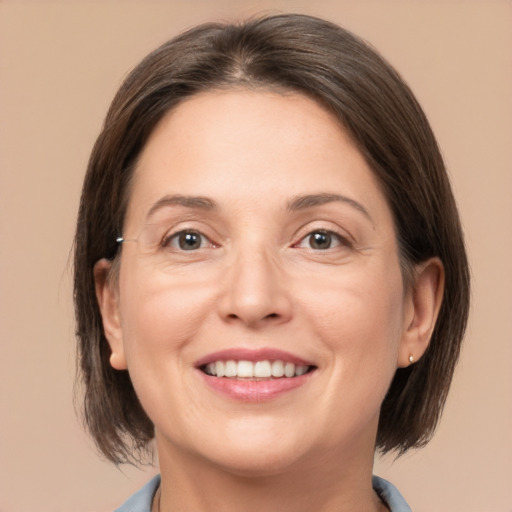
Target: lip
{"points": [[253, 355], [253, 390]]}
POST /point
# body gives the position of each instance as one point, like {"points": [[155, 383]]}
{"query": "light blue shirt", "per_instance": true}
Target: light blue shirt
{"points": [[141, 500]]}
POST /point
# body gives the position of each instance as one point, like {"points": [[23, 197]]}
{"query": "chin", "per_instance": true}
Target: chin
{"points": [[257, 464], [261, 452]]}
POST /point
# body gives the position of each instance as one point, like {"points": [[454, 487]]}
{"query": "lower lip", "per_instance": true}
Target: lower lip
{"points": [[247, 390]]}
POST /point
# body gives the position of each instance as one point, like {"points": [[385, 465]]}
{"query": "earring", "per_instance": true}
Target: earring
{"points": [[411, 359]]}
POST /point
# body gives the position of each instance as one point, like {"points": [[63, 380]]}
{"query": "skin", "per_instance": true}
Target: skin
{"points": [[256, 282]]}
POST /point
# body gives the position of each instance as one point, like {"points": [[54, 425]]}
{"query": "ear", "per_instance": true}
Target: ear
{"points": [[422, 307], [108, 301]]}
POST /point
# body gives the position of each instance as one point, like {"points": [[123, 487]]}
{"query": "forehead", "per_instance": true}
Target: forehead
{"points": [[253, 146], [223, 122]]}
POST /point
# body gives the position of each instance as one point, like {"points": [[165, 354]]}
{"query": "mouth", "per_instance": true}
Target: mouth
{"points": [[255, 370], [254, 375]]}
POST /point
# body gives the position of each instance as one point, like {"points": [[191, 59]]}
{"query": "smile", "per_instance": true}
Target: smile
{"points": [[265, 369], [254, 375]]}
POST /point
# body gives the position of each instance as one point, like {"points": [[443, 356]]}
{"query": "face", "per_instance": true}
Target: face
{"points": [[259, 305]]}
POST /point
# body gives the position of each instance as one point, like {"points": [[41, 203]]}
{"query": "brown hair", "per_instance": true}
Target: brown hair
{"points": [[346, 76]]}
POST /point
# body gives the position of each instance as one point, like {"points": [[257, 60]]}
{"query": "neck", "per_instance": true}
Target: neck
{"points": [[190, 483]]}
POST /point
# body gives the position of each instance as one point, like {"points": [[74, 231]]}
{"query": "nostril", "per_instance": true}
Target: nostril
{"points": [[270, 315]]}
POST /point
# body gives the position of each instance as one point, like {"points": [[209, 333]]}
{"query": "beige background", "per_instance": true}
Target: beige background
{"points": [[60, 63]]}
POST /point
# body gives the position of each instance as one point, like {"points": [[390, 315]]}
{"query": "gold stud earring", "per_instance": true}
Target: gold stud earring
{"points": [[411, 359]]}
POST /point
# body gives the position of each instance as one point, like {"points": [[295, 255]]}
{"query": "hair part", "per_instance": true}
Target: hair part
{"points": [[346, 76]]}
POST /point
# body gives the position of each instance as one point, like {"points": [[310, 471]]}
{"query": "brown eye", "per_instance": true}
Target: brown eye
{"points": [[189, 241], [320, 240]]}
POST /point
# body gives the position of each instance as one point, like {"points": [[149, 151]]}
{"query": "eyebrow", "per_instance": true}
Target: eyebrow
{"points": [[200, 202], [312, 200], [297, 203]]}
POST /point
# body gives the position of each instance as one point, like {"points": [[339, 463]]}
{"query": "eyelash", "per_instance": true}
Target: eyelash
{"points": [[331, 236]]}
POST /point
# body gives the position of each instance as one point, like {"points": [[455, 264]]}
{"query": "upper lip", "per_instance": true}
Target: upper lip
{"points": [[253, 355]]}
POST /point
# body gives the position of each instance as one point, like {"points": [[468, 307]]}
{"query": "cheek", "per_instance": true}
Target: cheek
{"points": [[160, 319], [160, 316], [359, 317]]}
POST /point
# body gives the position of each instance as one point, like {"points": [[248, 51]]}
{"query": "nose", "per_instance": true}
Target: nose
{"points": [[255, 291]]}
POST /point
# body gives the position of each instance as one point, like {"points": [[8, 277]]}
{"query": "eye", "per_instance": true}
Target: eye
{"points": [[187, 240], [321, 240]]}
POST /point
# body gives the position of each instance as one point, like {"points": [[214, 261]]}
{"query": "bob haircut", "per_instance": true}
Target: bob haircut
{"points": [[348, 78]]}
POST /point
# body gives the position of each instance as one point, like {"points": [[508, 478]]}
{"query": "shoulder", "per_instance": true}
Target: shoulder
{"points": [[142, 499], [390, 495]]}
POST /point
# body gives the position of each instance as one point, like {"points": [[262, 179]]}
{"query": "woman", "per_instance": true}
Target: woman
{"points": [[270, 274]]}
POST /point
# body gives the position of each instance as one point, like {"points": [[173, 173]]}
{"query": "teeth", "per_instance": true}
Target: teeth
{"points": [[219, 368], [277, 369], [230, 369], [263, 369], [259, 370], [244, 369], [300, 370], [289, 370]]}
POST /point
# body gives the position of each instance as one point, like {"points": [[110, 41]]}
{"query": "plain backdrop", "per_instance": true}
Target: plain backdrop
{"points": [[60, 64]]}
